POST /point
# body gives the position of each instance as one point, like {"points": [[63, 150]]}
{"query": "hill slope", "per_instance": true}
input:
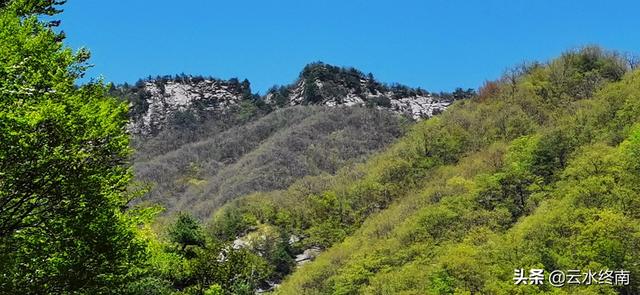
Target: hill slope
{"points": [[538, 171], [552, 186], [201, 142], [266, 154]]}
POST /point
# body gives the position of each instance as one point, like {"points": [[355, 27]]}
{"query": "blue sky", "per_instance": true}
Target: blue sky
{"points": [[437, 45]]}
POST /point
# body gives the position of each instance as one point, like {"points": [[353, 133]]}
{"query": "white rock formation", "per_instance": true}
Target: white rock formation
{"points": [[166, 98], [307, 255], [416, 106]]}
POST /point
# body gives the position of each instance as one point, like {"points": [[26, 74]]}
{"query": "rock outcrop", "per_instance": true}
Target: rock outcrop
{"points": [[155, 102], [332, 86], [160, 100]]}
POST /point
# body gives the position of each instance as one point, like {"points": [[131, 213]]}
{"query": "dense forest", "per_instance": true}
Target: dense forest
{"points": [[538, 170], [265, 154]]}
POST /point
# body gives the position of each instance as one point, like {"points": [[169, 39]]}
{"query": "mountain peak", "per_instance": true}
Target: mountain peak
{"points": [[156, 101], [325, 84]]}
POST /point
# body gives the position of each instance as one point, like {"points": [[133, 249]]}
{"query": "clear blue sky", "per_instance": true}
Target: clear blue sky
{"points": [[436, 45]]}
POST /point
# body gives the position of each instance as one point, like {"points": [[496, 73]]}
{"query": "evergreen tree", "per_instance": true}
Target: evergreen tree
{"points": [[186, 231]]}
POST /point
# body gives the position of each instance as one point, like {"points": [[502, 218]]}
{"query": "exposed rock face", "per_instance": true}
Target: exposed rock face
{"points": [[414, 103], [155, 102], [308, 255], [161, 100], [419, 107], [239, 243]]}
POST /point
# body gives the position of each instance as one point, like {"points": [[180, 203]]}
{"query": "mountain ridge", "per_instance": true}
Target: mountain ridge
{"points": [[155, 102]]}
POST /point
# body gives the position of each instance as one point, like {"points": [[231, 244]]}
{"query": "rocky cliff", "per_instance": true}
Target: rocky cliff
{"points": [[328, 85], [155, 102]]}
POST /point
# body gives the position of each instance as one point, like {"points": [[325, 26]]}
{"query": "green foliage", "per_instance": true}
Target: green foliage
{"points": [[63, 167], [229, 223], [214, 290], [247, 110], [539, 170], [33, 7], [576, 74], [188, 262], [186, 231], [235, 271], [540, 174], [149, 286]]}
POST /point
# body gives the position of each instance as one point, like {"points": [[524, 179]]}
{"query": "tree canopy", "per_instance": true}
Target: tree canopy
{"points": [[64, 166]]}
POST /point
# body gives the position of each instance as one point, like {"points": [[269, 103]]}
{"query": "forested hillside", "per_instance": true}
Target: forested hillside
{"points": [[325, 186], [423, 216], [266, 154], [537, 171], [200, 142]]}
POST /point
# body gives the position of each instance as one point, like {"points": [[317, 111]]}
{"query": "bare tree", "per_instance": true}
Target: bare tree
{"points": [[633, 60], [513, 75]]}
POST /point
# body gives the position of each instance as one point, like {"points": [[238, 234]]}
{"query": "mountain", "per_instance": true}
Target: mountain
{"points": [[335, 184], [329, 85], [264, 154], [201, 142], [157, 102], [539, 171]]}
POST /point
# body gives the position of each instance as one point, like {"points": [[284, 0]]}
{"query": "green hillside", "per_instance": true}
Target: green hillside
{"points": [[537, 171], [540, 171]]}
